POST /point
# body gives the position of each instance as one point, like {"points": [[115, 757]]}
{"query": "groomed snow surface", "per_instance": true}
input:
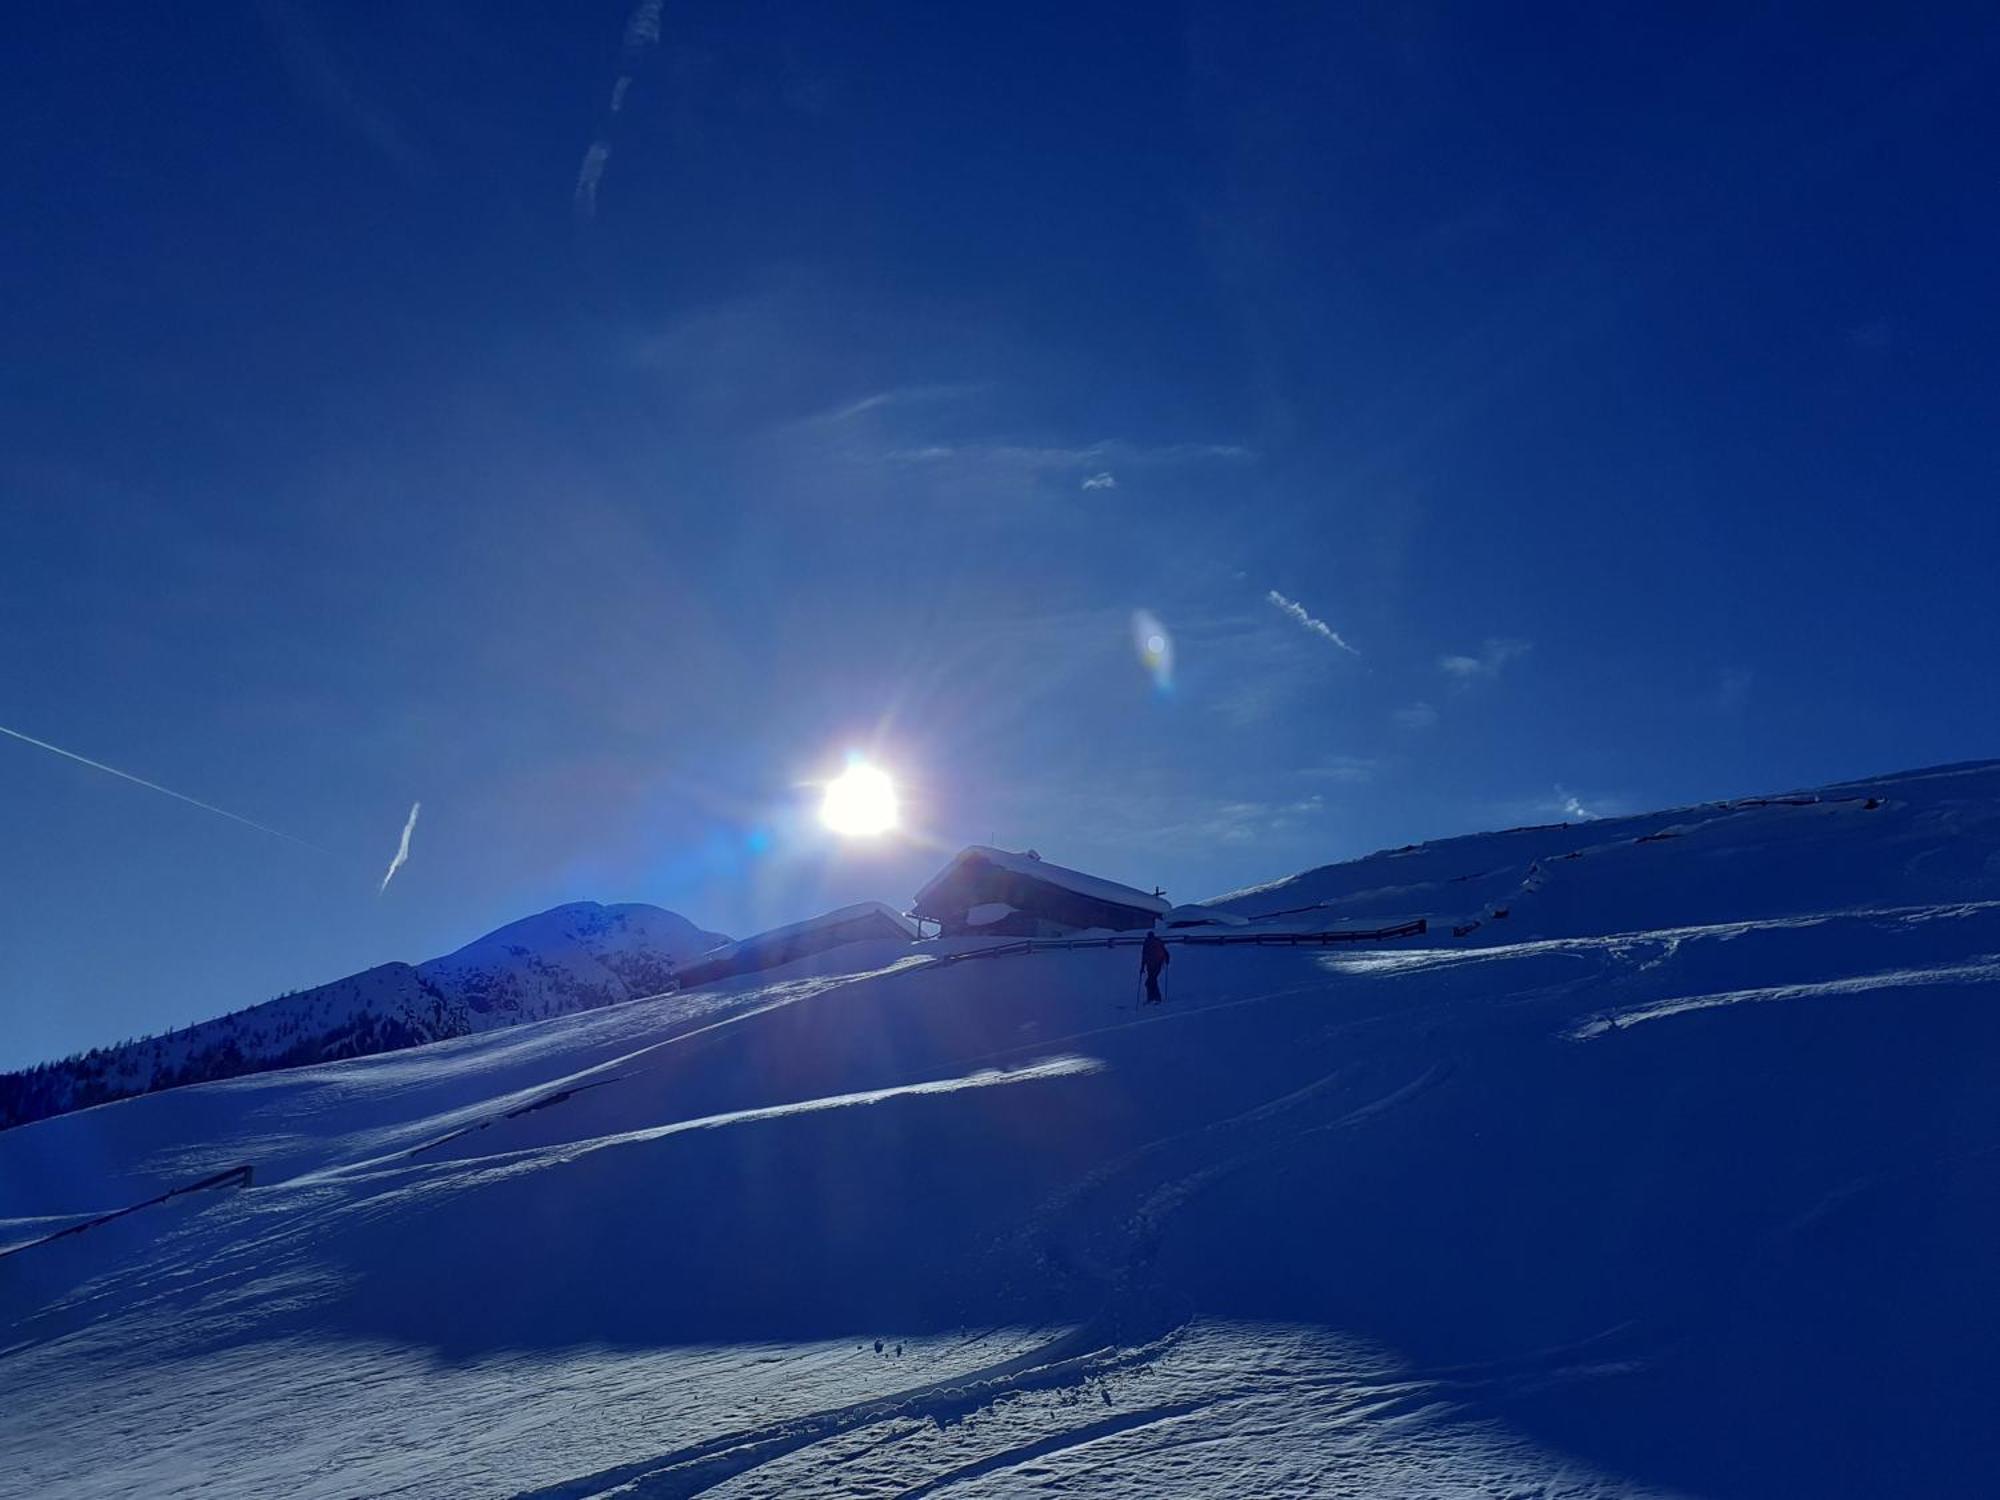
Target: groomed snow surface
{"points": [[1681, 1177]]}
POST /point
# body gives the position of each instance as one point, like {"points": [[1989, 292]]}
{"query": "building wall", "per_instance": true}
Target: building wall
{"points": [[1042, 909]]}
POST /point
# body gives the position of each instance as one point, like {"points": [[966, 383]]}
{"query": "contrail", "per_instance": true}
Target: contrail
{"points": [[1306, 618], [402, 850], [98, 765], [642, 35]]}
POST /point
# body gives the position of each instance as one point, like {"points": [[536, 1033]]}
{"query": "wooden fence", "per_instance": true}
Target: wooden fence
{"points": [[1204, 940]]}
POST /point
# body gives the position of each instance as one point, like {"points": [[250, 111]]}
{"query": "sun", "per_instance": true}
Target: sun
{"points": [[860, 802]]}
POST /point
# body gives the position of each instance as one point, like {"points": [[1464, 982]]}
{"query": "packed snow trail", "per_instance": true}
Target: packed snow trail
{"points": [[1680, 1178]]}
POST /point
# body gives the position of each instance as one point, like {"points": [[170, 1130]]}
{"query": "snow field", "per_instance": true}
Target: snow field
{"points": [[1681, 1178]]}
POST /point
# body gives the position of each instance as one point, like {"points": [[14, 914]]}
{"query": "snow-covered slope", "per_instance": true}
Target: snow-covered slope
{"points": [[570, 958], [1925, 835], [1681, 1178]]}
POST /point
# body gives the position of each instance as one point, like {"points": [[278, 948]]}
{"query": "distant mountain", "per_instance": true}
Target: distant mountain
{"points": [[570, 958]]}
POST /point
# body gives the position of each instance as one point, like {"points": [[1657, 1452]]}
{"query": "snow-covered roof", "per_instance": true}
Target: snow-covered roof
{"points": [[1034, 867], [835, 918], [1204, 916]]}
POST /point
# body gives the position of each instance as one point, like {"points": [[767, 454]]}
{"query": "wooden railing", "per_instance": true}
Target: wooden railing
{"points": [[1203, 940]]}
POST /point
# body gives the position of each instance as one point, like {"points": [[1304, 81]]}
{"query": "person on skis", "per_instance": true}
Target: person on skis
{"points": [[1153, 957]]}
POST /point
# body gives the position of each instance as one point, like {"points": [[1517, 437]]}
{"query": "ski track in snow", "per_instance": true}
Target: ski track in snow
{"points": [[1985, 969]]}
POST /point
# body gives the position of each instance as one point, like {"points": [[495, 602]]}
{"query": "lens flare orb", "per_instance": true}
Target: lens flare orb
{"points": [[860, 802], [1155, 648]]}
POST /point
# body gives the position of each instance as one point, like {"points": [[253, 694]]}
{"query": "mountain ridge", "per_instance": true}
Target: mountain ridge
{"points": [[577, 956]]}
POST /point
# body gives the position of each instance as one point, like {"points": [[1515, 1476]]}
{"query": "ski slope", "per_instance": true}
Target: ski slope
{"points": [[1679, 1178]]}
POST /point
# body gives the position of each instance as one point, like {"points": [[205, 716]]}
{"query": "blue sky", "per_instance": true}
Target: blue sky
{"points": [[388, 417]]}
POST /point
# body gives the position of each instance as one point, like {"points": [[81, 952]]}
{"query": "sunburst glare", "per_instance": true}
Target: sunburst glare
{"points": [[860, 802]]}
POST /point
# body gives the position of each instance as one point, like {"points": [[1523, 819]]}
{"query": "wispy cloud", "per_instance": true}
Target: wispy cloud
{"points": [[402, 848], [1091, 456], [1492, 658], [1559, 803], [154, 786], [1415, 716], [590, 174], [1571, 806], [319, 75], [1249, 822], [906, 395], [1874, 336], [1308, 620], [855, 409], [1351, 769], [642, 35], [1182, 452], [1104, 481], [1195, 823], [642, 28], [1250, 700], [1734, 689]]}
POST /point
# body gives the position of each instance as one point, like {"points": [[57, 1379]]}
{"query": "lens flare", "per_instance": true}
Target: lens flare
{"points": [[1155, 648], [860, 802]]}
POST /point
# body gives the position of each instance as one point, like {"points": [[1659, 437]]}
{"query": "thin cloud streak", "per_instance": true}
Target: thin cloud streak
{"points": [[221, 812], [1562, 803], [589, 175], [402, 849], [642, 35], [317, 75], [1493, 656], [643, 29], [898, 396], [1352, 769], [1308, 620], [1092, 456]]}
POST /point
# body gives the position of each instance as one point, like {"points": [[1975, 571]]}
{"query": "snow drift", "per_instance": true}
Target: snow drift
{"points": [[1678, 1178]]}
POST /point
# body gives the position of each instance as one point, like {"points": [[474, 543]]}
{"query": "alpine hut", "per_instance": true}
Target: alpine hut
{"points": [[781, 945], [992, 892]]}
